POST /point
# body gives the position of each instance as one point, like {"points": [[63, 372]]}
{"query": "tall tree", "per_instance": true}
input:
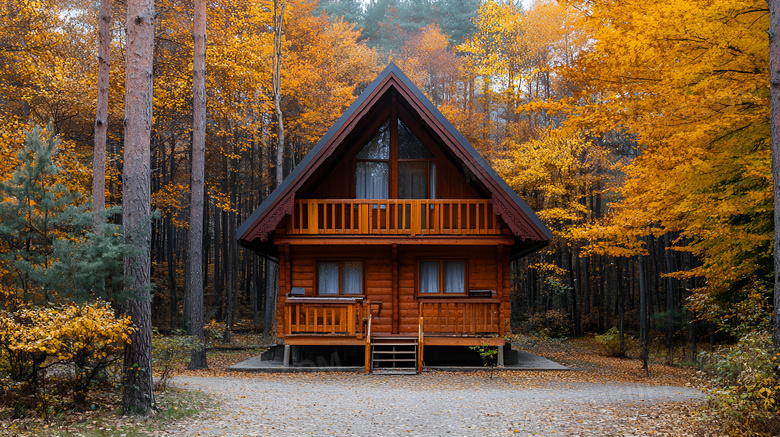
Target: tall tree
{"points": [[101, 114], [138, 397], [195, 289], [774, 97], [277, 79]]}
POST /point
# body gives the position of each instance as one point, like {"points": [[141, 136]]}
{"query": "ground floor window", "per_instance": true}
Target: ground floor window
{"points": [[442, 276], [335, 277]]}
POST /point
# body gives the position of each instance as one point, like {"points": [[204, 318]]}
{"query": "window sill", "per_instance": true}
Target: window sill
{"points": [[324, 299], [457, 298]]}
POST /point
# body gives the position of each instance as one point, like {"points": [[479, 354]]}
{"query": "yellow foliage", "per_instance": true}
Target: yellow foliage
{"points": [[68, 333]]}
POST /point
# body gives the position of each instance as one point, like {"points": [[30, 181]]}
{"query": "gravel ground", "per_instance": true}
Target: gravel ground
{"points": [[432, 404]]}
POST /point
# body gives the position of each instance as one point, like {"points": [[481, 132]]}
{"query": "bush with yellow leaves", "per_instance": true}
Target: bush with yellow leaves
{"points": [[744, 393], [81, 340]]}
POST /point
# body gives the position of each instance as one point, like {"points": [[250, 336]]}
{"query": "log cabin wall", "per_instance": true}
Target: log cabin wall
{"points": [[398, 315]]}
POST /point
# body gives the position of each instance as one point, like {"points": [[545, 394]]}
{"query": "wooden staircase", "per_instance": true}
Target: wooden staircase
{"points": [[394, 355]]}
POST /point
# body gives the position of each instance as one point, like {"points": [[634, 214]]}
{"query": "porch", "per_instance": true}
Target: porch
{"points": [[348, 322]]}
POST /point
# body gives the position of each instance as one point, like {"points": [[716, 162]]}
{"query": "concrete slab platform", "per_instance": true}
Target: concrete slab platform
{"points": [[526, 362]]}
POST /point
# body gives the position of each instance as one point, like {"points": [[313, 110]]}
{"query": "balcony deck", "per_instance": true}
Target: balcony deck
{"points": [[388, 217]]}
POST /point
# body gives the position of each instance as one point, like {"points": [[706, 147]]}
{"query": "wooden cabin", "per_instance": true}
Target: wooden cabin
{"points": [[393, 234]]}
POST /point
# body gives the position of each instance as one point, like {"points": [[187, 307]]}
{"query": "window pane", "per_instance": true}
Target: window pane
{"points": [[454, 276], [328, 278], [379, 146], [429, 276], [409, 147], [433, 180], [353, 277], [412, 180], [371, 180]]}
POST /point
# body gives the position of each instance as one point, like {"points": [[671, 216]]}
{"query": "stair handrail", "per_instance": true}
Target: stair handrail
{"points": [[368, 344], [420, 336]]}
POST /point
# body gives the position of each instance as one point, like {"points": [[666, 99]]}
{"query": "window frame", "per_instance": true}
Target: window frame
{"points": [[441, 261], [393, 162], [340, 262]]}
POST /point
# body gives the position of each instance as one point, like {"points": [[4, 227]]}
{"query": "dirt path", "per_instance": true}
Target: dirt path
{"points": [[435, 404]]}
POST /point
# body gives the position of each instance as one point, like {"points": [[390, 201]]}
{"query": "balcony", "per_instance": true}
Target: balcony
{"points": [[460, 317], [394, 217]]}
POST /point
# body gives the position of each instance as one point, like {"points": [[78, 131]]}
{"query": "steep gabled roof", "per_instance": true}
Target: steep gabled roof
{"points": [[521, 220]]}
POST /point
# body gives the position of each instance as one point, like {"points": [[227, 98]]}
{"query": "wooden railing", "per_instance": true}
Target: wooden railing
{"points": [[394, 217], [460, 316], [322, 316]]}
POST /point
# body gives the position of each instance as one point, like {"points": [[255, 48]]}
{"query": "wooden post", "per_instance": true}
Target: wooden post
{"points": [[364, 218], [416, 225], [313, 216], [351, 319]]}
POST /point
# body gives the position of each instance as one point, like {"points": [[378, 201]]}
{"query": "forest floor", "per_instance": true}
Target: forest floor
{"points": [[600, 396]]}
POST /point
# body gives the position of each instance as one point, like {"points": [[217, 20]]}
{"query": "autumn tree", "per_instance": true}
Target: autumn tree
{"points": [[136, 204], [774, 96], [195, 236]]}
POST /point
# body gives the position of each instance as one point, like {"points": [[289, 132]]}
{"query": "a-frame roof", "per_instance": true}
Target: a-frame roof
{"points": [[521, 220]]}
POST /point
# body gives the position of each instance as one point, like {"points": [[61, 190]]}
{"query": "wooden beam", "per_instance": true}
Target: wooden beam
{"points": [[385, 240], [323, 340], [463, 341]]}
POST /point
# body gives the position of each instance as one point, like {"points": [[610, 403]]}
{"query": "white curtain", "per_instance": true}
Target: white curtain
{"points": [[454, 276], [429, 276], [433, 181], [372, 180], [328, 278], [353, 277]]}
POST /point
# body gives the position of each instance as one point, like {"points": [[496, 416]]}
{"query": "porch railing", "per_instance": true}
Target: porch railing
{"points": [[394, 217], [321, 316], [460, 317]]}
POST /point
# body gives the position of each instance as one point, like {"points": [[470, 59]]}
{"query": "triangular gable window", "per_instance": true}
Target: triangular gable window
{"points": [[415, 166]]}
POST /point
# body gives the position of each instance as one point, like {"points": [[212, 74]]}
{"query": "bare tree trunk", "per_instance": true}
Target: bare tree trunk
{"points": [[197, 183], [271, 287], [669, 300], [774, 98], [138, 397], [101, 114], [643, 322], [277, 78]]}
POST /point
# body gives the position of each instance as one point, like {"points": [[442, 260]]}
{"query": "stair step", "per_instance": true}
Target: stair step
{"points": [[394, 344], [395, 371], [385, 360], [397, 352]]}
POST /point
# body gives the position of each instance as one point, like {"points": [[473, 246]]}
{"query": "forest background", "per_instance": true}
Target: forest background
{"points": [[638, 131]]}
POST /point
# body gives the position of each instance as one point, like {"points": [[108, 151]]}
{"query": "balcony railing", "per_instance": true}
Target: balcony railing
{"points": [[319, 316], [394, 217], [460, 316]]}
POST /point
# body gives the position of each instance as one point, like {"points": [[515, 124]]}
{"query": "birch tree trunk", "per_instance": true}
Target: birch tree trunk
{"points": [[774, 98], [101, 114], [197, 183], [138, 397]]}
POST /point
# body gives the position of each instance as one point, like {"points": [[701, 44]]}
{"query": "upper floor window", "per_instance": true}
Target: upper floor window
{"points": [[395, 154]]}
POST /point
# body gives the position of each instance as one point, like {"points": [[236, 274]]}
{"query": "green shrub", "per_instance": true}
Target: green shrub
{"points": [[744, 392], [610, 343], [168, 355]]}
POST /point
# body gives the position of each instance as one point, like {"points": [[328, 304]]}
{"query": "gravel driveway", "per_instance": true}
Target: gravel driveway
{"points": [[432, 404]]}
